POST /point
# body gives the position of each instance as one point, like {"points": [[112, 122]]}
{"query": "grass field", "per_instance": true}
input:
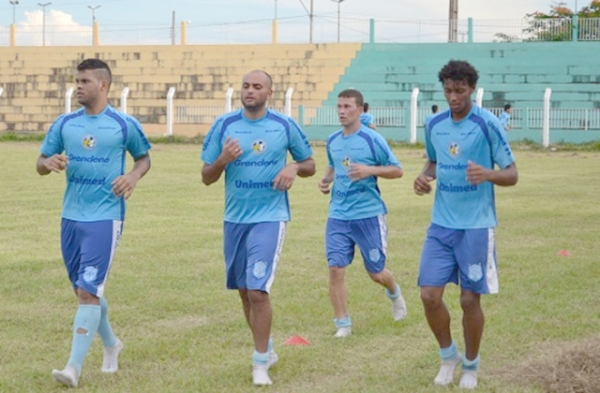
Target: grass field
{"points": [[183, 332]]}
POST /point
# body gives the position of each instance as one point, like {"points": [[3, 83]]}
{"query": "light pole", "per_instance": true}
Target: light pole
{"points": [[14, 3], [339, 2], [44, 22], [93, 13]]}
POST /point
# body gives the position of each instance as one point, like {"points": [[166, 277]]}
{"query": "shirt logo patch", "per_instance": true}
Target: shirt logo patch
{"points": [[88, 142], [346, 161], [259, 146], [454, 149]]}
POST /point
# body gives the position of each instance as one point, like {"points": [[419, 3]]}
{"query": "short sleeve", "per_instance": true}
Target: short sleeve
{"points": [[299, 145], [53, 143], [137, 143], [211, 149]]}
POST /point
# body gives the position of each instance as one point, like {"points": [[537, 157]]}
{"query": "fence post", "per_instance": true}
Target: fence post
{"points": [[228, 97], [525, 124], [479, 97], [470, 30], [413, 115], [546, 124], [124, 95], [288, 101], [371, 31], [170, 95], [575, 32], [1, 91], [68, 95], [301, 115]]}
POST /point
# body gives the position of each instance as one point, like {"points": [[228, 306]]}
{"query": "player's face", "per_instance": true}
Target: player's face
{"points": [[348, 111], [256, 91], [458, 94], [89, 87]]}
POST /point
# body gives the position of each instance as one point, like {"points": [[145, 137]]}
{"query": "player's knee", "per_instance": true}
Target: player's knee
{"points": [[258, 298], [431, 298], [379, 278], [336, 273], [469, 301]]}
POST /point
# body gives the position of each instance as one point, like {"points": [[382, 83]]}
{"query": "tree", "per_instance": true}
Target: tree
{"points": [[558, 24]]}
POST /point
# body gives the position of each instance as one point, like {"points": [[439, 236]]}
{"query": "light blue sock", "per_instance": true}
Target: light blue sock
{"points": [[104, 329], [260, 358], [472, 365], [449, 353], [88, 319], [394, 295], [344, 322], [270, 346]]}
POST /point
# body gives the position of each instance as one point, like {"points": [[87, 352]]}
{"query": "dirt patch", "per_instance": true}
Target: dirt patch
{"points": [[562, 368]]}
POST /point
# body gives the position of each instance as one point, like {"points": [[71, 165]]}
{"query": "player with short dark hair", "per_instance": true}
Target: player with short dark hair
{"points": [[505, 117], [366, 118]]}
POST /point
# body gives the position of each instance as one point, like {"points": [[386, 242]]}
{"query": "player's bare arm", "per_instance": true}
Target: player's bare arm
{"points": [[422, 182], [361, 171], [125, 184], [55, 163], [325, 182], [231, 152], [285, 178], [477, 174]]}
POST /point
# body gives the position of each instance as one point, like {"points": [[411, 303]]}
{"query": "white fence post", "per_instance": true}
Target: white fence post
{"points": [[228, 99], [68, 95], [124, 95], [1, 91], [546, 122], [288, 101], [170, 95], [413, 115], [479, 97]]}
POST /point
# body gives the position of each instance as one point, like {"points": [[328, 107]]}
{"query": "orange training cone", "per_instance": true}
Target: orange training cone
{"points": [[564, 253], [296, 340]]}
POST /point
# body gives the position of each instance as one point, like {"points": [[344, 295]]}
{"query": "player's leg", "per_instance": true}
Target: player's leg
{"points": [[437, 268], [339, 249], [264, 244], [370, 235], [476, 254]]}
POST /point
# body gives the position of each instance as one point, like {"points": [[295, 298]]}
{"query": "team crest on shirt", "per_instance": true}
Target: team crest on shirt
{"points": [[454, 149], [259, 146], [88, 142], [346, 161]]}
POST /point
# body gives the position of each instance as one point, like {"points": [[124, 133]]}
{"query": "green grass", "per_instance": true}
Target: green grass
{"points": [[184, 332]]}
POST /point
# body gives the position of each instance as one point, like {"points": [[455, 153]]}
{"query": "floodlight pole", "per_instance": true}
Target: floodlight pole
{"points": [[44, 22], [94, 13], [14, 3], [339, 2]]}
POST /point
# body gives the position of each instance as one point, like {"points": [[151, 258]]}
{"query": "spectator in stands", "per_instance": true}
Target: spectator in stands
{"points": [[90, 145], [434, 111], [505, 117], [366, 118], [257, 140], [460, 245], [358, 156]]}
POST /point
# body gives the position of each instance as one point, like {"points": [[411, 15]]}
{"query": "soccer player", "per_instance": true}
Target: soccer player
{"points": [[505, 117], [250, 145], [358, 156], [366, 118], [464, 144], [90, 145], [434, 111]]}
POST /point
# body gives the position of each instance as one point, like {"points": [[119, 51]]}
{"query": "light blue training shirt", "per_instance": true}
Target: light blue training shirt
{"points": [[249, 193], [479, 138], [504, 118], [366, 119], [96, 148], [353, 200]]}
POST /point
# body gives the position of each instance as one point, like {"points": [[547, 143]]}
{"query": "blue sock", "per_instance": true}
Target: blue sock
{"points": [[104, 330], [86, 318], [449, 353], [270, 346], [260, 358], [472, 365], [344, 322], [394, 295]]}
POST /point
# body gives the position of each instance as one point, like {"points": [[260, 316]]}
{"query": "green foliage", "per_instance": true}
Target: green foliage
{"points": [[557, 24]]}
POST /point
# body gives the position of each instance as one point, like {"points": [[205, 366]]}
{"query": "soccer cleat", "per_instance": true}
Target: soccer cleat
{"points": [[273, 358], [446, 374], [468, 379], [260, 375], [110, 363], [67, 377], [343, 332], [399, 308]]}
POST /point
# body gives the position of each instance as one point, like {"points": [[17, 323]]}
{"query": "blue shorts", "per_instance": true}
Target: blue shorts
{"points": [[252, 254], [369, 234], [88, 249], [467, 256]]}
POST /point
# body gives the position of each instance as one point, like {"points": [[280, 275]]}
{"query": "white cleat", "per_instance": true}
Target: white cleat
{"points": [[260, 375], [446, 374], [399, 308], [273, 358], [110, 363], [343, 332], [67, 377], [468, 379]]}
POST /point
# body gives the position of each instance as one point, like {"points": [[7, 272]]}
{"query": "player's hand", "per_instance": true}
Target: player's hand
{"points": [[124, 185], [285, 178], [421, 184], [56, 163], [358, 172], [324, 186], [476, 174], [231, 150]]}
